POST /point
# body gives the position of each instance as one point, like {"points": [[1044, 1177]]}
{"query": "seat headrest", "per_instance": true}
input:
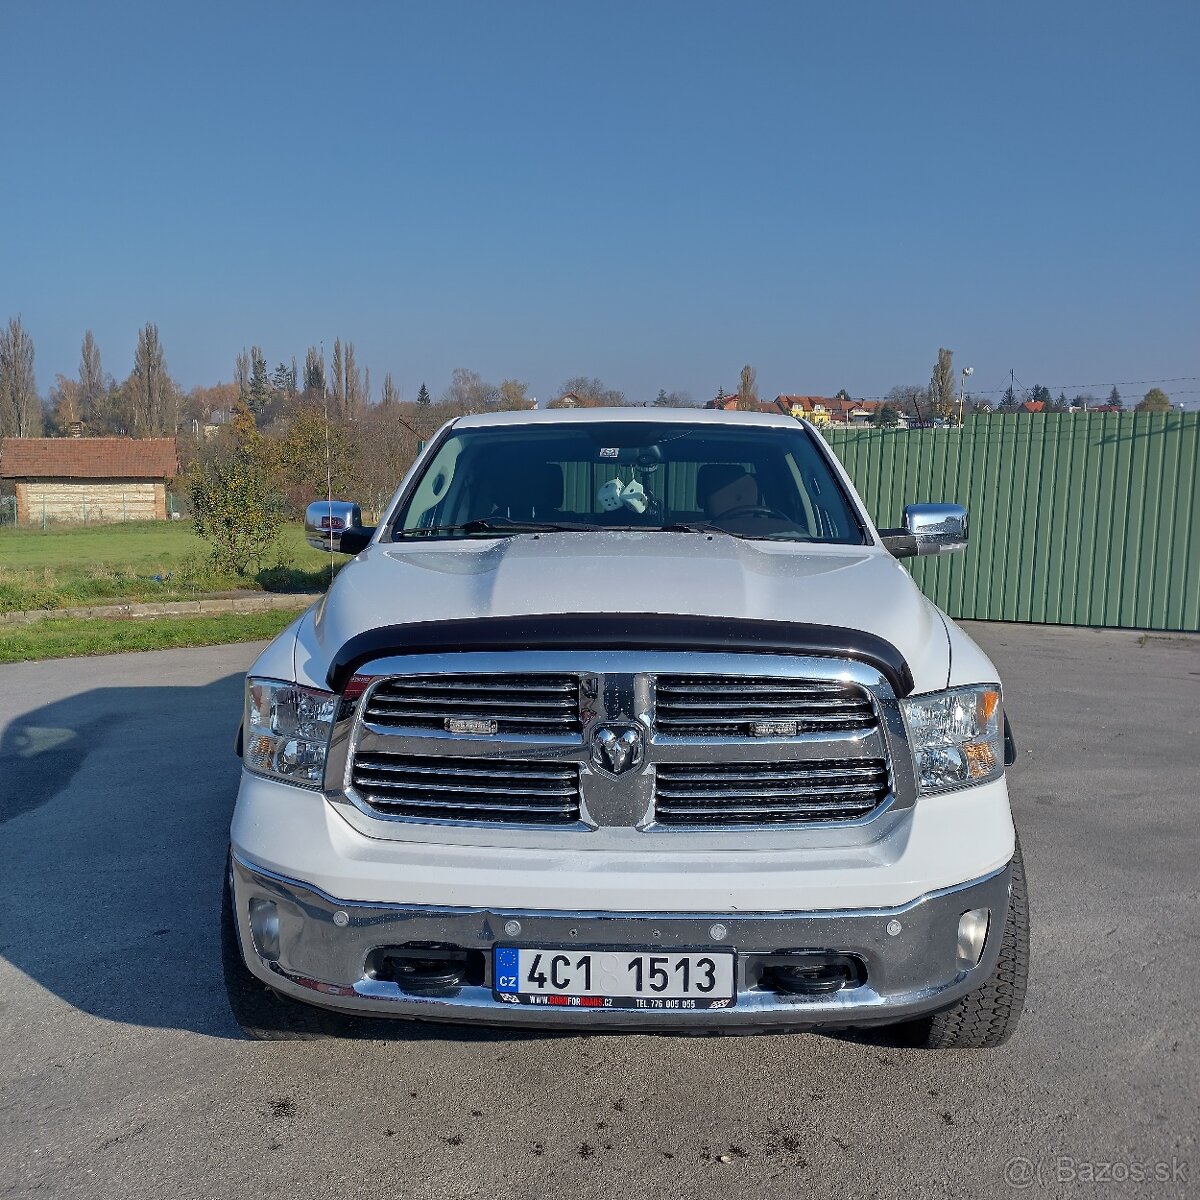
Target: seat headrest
{"points": [[721, 487]]}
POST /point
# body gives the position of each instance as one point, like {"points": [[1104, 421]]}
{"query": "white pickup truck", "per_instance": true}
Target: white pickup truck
{"points": [[627, 719]]}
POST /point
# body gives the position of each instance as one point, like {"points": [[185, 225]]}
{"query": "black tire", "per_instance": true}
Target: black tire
{"points": [[987, 1016], [262, 1013]]}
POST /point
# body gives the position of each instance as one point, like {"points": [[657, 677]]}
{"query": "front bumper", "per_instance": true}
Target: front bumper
{"points": [[324, 949]]}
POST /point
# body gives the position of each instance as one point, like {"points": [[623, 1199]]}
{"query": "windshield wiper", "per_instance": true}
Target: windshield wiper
{"points": [[700, 527], [499, 525], [710, 527]]}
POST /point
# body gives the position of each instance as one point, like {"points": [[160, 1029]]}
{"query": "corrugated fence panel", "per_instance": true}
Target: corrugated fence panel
{"points": [[1076, 519]]}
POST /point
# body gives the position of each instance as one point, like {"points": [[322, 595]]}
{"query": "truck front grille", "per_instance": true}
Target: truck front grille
{"points": [[468, 789], [732, 706], [779, 746], [724, 793], [512, 703]]}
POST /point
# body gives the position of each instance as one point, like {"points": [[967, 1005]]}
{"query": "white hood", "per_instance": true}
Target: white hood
{"points": [[854, 587]]}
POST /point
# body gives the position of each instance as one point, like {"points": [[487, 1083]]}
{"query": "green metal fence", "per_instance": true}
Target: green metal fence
{"points": [[1076, 519]]}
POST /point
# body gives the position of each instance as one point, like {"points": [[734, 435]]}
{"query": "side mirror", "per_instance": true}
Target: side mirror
{"points": [[336, 525], [928, 529]]}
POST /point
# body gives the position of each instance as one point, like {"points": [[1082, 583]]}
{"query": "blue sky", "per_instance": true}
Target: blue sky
{"points": [[654, 193]]}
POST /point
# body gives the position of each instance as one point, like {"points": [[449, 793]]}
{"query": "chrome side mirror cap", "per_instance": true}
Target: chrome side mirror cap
{"points": [[928, 529], [335, 525]]}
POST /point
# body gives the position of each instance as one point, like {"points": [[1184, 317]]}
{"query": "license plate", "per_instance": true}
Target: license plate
{"points": [[578, 978]]}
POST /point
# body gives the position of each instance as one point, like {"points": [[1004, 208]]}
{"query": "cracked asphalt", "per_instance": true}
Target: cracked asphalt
{"points": [[122, 1073]]}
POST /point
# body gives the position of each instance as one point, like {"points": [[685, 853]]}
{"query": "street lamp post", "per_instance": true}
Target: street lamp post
{"points": [[962, 391]]}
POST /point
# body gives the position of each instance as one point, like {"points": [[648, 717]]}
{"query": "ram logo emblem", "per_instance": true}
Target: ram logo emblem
{"points": [[617, 749]]}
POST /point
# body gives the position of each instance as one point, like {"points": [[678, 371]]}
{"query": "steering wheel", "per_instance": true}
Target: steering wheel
{"points": [[752, 510]]}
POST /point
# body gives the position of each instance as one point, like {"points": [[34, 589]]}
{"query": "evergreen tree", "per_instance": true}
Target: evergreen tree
{"points": [[257, 394], [423, 395], [1114, 398]]}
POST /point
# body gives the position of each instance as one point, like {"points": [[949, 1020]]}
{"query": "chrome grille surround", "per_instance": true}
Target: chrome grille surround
{"points": [[619, 688]]}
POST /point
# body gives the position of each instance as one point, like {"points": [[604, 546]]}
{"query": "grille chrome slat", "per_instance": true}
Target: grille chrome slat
{"points": [[485, 770], [718, 797], [464, 789], [506, 723], [795, 792], [826, 811], [458, 789], [473, 702], [516, 703], [756, 773], [469, 806]]}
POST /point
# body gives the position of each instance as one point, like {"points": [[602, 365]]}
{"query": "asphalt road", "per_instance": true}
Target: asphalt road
{"points": [[123, 1075]]}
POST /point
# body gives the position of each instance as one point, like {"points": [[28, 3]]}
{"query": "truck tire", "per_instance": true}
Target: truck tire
{"points": [[262, 1013], [987, 1016]]}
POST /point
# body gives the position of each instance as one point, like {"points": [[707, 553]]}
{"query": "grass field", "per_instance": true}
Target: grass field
{"points": [[66, 637], [106, 564]]}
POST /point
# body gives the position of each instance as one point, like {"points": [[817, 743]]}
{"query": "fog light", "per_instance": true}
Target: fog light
{"points": [[972, 933], [264, 925]]}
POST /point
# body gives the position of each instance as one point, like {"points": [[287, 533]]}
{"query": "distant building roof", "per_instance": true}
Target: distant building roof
{"points": [[88, 458], [838, 407]]}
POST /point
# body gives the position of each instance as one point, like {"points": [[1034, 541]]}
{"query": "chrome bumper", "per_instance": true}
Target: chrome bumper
{"points": [[325, 946]]}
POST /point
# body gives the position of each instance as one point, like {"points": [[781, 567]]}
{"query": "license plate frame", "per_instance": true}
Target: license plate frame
{"points": [[511, 965]]}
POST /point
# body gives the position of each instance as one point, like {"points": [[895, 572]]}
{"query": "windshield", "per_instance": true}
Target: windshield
{"points": [[751, 482]]}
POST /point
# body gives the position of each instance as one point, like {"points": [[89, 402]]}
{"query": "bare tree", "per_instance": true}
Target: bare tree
{"points": [[314, 371], [941, 385], [588, 393], [65, 405], [667, 399], [748, 389], [241, 373], [389, 394], [20, 412], [91, 379], [352, 389], [152, 392], [910, 399], [469, 391], [337, 381], [512, 394]]}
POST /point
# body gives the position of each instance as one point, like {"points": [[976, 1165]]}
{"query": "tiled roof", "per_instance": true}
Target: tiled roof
{"points": [[830, 404], [88, 458]]}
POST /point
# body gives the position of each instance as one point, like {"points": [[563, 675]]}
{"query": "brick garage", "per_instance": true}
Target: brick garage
{"points": [[89, 479]]}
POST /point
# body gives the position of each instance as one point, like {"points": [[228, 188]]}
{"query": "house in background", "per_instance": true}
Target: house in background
{"points": [[822, 410], [89, 479]]}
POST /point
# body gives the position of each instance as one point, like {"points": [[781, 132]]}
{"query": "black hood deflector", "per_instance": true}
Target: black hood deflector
{"points": [[620, 631]]}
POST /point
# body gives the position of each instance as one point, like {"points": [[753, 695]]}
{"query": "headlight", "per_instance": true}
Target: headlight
{"points": [[287, 731], [957, 737]]}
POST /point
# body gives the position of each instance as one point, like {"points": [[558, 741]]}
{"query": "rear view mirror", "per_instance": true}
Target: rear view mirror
{"points": [[928, 529], [336, 525]]}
